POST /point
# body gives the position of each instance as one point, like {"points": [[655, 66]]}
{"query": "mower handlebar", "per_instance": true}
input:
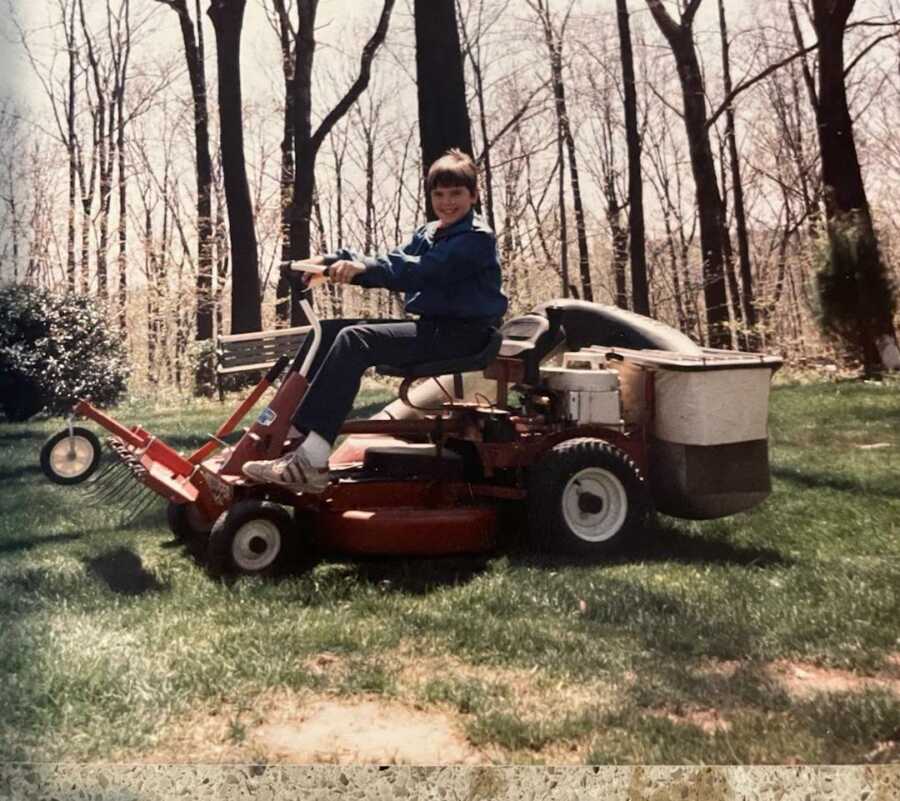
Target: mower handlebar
{"points": [[308, 266]]}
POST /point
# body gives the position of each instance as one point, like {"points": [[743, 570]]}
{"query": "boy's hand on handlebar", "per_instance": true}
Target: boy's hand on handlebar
{"points": [[343, 271]]}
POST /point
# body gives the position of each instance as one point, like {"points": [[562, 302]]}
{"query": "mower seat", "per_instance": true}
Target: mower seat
{"points": [[462, 364]]}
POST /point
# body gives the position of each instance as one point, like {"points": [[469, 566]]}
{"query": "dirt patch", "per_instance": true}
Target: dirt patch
{"points": [[803, 680], [370, 732], [309, 727], [709, 721], [303, 728]]}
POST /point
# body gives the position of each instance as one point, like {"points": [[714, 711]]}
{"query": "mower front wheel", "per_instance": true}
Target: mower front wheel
{"points": [[252, 538], [586, 497], [186, 521], [70, 456]]}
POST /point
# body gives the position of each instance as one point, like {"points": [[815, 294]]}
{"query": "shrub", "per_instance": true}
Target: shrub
{"points": [[54, 349]]}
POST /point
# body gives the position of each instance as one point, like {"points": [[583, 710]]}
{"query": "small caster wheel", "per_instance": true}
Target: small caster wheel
{"points": [[70, 457]]}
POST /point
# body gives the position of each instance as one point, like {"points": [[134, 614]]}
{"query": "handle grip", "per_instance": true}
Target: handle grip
{"points": [[302, 270]]}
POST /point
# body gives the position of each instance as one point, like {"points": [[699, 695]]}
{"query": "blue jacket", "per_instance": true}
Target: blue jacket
{"points": [[443, 272]]}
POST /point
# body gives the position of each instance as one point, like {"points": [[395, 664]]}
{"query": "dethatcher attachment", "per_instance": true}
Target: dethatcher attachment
{"points": [[126, 483]]}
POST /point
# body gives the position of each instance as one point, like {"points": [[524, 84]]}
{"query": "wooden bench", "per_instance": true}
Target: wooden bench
{"points": [[258, 350]]}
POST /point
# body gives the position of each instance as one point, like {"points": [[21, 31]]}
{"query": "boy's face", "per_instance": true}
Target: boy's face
{"points": [[451, 203]]}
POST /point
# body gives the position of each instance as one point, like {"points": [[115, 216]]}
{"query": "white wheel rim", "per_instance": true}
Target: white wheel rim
{"points": [[256, 544], [71, 456], [594, 504]]}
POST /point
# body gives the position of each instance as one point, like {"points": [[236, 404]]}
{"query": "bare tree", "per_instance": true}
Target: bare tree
{"points": [[857, 297], [440, 82], [640, 294], [306, 141], [745, 301], [680, 37], [228, 18], [553, 38], [287, 38], [194, 53], [474, 51]]}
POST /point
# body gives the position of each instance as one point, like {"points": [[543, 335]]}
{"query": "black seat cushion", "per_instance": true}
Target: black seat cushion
{"points": [[462, 364]]}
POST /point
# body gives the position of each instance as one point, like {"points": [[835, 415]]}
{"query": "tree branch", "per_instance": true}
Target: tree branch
{"points": [[663, 19], [362, 80], [687, 18], [512, 121], [866, 49], [744, 85]]}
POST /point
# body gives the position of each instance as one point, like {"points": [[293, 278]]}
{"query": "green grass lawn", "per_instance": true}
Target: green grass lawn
{"points": [[767, 637]]}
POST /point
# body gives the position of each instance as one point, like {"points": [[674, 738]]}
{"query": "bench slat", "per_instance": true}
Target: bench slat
{"points": [[277, 333], [244, 368], [260, 344], [257, 350], [266, 350]]}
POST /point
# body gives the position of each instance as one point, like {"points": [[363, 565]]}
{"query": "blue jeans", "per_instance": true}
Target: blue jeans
{"points": [[349, 347]]}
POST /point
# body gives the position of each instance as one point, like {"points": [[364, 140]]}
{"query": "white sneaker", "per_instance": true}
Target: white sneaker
{"points": [[292, 471]]}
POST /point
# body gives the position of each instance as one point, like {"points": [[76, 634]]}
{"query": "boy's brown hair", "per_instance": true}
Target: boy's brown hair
{"points": [[454, 168]]}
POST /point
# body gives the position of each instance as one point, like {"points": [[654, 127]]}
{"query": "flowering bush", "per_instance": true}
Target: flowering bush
{"points": [[54, 349]]}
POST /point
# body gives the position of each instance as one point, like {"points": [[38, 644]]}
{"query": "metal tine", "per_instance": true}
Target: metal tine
{"points": [[113, 488], [130, 508], [109, 489], [131, 494], [145, 503], [113, 477], [99, 482]]}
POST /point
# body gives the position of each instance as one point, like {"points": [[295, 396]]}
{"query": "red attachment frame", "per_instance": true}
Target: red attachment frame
{"points": [[140, 441], [231, 423]]}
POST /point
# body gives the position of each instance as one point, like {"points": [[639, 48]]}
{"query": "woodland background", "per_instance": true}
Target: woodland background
{"points": [[670, 158]]}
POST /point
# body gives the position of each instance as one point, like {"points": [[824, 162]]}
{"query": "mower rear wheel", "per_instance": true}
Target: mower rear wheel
{"points": [[252, 538], [70, 457], [585, 497], [186, 521]]}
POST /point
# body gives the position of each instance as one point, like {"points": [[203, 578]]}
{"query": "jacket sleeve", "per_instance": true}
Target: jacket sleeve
{"points": [[464, 256]]}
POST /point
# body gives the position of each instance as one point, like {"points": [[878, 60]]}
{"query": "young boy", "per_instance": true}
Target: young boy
{"points": [[450, 274]]}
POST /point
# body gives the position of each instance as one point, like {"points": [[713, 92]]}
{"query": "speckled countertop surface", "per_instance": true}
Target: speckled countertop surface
{"points": [[97, 782]]}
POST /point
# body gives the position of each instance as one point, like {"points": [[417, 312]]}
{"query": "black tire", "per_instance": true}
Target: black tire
{"points": [[70, 458], [585, 497], [252, 538], [186, 521]]}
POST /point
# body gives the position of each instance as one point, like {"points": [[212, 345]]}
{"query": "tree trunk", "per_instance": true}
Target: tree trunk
{"points": [[748, 308], [443, 113], [487, 181], [736, 334], [619, 245], [287, 39], [227, 17], [865, 300], [71, 147], [554, 41], [563, 222], [709, 201], [123, 224], [640, 293], [194, 54]]}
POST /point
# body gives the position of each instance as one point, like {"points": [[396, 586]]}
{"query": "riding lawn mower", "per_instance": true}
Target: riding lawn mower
{"points": [[590, 416]]}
